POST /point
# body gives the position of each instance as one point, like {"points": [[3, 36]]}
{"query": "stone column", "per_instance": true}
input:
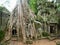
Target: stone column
{"points": [[56, 30], [49, 28]]}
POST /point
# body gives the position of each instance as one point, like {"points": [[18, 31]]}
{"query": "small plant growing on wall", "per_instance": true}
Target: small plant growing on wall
{"points": [[58, 43], [45, 34], [2, 34]]}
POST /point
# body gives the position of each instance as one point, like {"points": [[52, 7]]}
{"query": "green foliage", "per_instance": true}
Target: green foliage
{"points": [[33, 5], [38, 22], [39, 18], [58, 43], [2, 34], [45, 34], [29, 42], [37, 25], [39, 37], [2, 44], [59, 23], [3, 9], [33, 38], [58, 7], [41, 7]]}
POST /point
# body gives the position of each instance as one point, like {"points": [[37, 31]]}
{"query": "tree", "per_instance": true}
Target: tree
{"points": [[46, 10]]}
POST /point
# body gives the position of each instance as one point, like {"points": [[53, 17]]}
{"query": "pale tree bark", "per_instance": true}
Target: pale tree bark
{"points": [[10, 28], [33, 30], [21, 19], [25, 15], [31, 17], [17, 27]]}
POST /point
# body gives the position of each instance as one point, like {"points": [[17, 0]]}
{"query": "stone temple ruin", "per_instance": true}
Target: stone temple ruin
{"points": [[21, 25]]}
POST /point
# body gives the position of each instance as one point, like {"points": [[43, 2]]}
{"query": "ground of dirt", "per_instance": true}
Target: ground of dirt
{"points": [[38, 42]]}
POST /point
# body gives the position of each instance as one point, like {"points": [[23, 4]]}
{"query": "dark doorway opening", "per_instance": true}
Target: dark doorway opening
{"points": [[51, 29], [14, 32]]}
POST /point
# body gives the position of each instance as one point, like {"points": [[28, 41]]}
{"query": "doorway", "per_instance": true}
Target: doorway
{"points": [[14, 32], [52, 29]]}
